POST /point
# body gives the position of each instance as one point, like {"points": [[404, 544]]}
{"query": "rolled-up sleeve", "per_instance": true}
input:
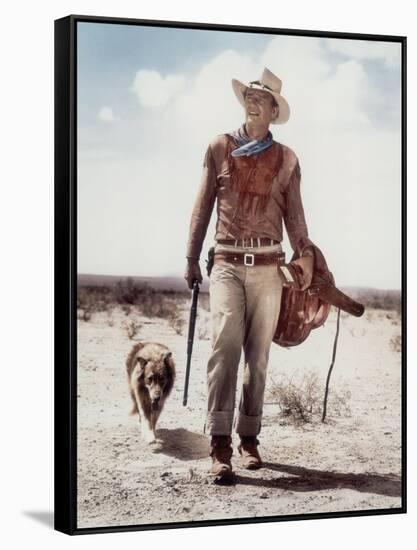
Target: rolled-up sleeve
{"points": [[203, 207], [294, 218]]}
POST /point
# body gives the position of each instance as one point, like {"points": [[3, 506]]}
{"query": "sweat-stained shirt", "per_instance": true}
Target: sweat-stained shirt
{"points": [[254, 196]]}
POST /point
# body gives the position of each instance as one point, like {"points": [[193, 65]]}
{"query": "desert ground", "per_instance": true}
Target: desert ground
{"points": [[350, 462]]}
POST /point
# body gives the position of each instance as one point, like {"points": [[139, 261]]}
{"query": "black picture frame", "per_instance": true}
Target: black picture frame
{"points": [[66, 271]]}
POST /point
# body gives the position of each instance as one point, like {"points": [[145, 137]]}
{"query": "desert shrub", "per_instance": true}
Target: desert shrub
{"points": [[395, 343], [126, 308], [86, 304], [132, 328], [128, 291], [177, 323], [91, 299], [204, 301], [150, 302], [374, 298], [300, 398], [84, 314], [203, 331], [155, 304], [132, 295]]}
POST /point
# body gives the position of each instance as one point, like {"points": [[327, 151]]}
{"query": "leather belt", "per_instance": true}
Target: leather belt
{"points": [[252, 242], [250, 260]]}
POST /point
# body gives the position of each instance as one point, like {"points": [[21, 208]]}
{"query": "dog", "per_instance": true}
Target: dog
{"points": [[151, 375]]}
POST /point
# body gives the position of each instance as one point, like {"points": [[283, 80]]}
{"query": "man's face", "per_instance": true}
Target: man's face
{"points": [[260, 107]]}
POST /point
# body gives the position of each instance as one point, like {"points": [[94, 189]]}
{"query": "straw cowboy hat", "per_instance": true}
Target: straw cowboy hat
{"points": [[268, 83]]}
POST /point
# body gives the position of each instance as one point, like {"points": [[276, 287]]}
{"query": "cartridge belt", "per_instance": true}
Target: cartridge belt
{"points": [[252, 242]]}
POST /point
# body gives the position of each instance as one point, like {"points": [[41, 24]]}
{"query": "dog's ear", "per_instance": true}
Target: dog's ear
{"points": [[141, 362], [169, 362], [130, 361]]}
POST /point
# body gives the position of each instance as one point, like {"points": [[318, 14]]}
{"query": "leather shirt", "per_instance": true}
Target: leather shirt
{"points": [[255, 195]]}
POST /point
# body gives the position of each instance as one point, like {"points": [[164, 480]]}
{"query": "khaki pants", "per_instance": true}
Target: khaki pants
{"points": [[244, 303]]}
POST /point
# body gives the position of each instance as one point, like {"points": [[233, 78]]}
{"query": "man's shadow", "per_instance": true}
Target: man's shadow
{"points": [[304, 479], [182, 444], [185, 445]]}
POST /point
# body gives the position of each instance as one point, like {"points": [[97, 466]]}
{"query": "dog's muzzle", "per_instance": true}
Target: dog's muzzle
{"points": [[155, 403]]}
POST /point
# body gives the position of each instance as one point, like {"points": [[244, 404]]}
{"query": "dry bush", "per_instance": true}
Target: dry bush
{"points": [[127, 309], [155, 304], [132, 328], [395, 343], [374, 298], [394, 317], [130, 295], [204, 301], [177, 323], [91, 300], [300, 397], [128, 291], [203, 330], [84, 314]]}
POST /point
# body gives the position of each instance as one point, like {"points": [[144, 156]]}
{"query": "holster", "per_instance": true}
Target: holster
{"points": [[210, 261]]}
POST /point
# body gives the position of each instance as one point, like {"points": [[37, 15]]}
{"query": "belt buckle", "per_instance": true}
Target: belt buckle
{"points": [[249, 260]]}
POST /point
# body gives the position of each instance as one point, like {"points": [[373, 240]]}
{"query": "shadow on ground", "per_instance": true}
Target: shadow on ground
{"points": [[183, 444], [304, 479]]}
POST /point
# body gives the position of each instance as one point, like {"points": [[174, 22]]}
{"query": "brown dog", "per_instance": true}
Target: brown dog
{"points": [[151, 374]]}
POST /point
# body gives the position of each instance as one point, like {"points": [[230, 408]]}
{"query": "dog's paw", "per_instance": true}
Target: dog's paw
{"points": [[149, 438]]}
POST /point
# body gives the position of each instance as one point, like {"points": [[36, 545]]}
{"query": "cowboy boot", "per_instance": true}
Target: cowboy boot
{"points": [[221, 453], [247, 448]]}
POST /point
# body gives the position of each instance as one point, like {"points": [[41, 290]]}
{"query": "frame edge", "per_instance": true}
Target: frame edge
{"points": [[64, 450]]}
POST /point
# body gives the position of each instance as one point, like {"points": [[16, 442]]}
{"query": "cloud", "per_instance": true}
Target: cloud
{"points": [[388, 52], [319, 95], [209, 106], [105, 114], [154, 90]]}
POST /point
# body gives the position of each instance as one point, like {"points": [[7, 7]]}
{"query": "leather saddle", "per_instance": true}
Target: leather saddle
{"points": [[304, 310]]}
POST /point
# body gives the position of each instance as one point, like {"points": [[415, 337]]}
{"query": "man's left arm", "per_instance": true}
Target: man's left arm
{"points": [[296, 227]]}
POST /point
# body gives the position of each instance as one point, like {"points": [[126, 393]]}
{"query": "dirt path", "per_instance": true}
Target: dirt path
{"points": [[350, 463]]}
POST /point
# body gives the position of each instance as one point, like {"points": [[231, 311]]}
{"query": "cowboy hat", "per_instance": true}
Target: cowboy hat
{"points": [[268, 83]]}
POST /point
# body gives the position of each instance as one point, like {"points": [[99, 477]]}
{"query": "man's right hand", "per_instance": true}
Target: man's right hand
{"points": [[192, 272]]}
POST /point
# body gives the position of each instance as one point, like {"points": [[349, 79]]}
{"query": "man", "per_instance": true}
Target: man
{"points": [[256, 182]]}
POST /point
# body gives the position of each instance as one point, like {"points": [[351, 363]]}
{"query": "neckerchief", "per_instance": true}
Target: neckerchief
{"points": [[247, 146]]}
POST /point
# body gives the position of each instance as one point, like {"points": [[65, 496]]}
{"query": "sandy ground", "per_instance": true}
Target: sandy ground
{"points": [[352, 462]]}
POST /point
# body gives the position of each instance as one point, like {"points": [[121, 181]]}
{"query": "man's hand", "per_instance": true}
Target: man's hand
{"points": [[307, 265], [192, 272]]}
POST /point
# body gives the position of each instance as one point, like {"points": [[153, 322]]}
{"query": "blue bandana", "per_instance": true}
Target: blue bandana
{"points": [[248, 147]]}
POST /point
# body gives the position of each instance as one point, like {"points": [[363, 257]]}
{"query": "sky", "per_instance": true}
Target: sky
{"points": [[151, 99]]}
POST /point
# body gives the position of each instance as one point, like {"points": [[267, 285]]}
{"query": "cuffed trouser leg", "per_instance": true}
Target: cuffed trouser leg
{"points": [[263, 297], [227, 304]]}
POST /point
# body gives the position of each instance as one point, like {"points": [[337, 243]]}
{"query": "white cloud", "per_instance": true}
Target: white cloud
{"points": [[388, 52], [154, 90], [318, 97], [105, 114]]}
